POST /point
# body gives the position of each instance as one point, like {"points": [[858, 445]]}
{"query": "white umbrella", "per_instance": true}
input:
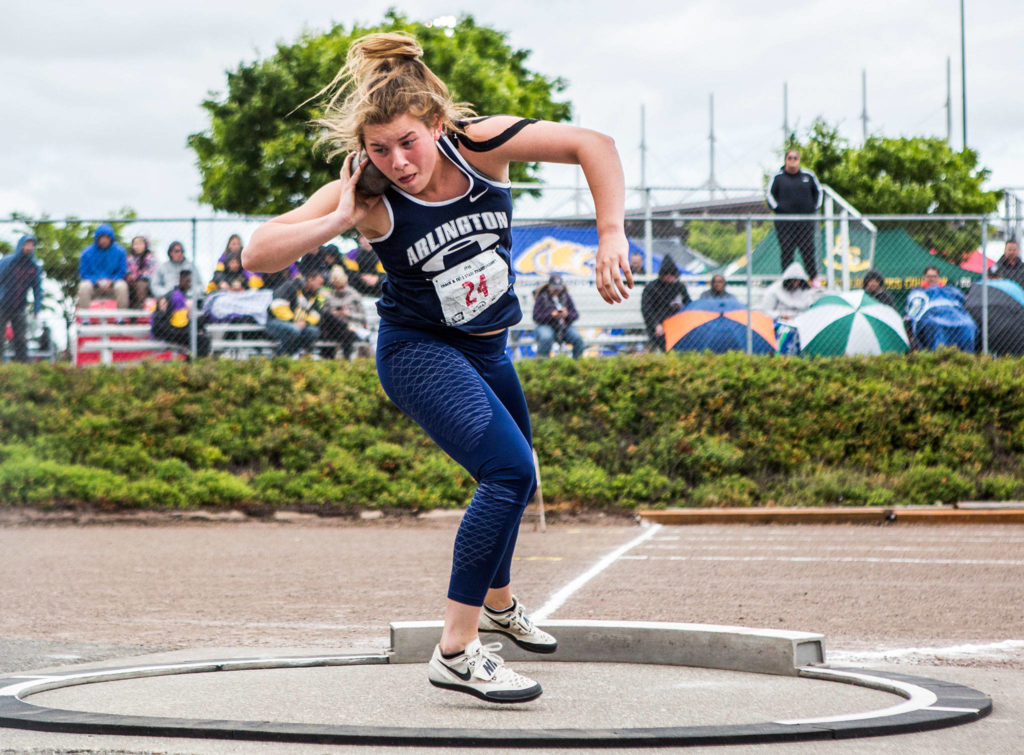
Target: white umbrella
{"points": [[850, 323]]}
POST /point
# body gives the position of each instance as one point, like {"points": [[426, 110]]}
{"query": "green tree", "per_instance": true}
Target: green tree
{"points": [[905, 176], [723, 241], [59, 244], [256, 157]]}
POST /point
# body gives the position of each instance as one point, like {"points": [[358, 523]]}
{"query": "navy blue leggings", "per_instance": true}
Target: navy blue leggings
{"points": [[464, 391]]}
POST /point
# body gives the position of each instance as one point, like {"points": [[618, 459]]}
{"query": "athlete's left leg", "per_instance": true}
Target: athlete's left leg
{"points": [[500, 375], [441, 388]]}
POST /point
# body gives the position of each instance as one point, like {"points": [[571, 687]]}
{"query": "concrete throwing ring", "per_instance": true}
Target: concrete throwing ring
{"points": [[927, 703]]}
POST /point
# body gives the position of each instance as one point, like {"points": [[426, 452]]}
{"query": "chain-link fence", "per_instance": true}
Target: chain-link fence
{"points": [[706, 280]]}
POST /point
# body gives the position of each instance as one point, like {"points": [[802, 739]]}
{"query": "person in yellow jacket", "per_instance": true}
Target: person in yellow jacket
{"points": [[294, 315]]}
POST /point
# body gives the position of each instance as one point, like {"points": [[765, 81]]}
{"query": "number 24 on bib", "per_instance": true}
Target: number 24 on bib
{"points": [[471, 287]]}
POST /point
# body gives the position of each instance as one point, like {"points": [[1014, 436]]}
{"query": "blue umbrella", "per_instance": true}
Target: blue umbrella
{"points": [[718, 325], [1010, 288], [1005, 315]]}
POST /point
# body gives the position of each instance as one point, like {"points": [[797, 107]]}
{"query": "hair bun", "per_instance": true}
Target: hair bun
{"points": [[385, 45]]}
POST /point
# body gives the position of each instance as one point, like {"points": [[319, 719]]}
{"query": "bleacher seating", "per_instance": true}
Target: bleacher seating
{"points": [[38, 349], [112, 336], [117, 336]]}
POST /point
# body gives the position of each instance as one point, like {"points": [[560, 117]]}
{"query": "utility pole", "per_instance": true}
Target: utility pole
{"points": [[712, 184], [949, 101], [643, 148], [963, 70], [785, 114], [577, 196], [864, 101], [648, 209]]}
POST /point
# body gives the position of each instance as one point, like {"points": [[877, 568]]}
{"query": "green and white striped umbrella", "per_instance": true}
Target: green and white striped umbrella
{"points": [[850, 323]]}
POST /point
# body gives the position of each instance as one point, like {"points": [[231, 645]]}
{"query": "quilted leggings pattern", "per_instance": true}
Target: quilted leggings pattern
{"points": [[466, 395]]}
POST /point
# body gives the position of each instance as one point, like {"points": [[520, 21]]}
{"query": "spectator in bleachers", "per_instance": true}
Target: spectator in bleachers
{"points": [[874, 286], [1009, 266], [636, 264], [169, 273], [716, 290], [232, 247], [230, 276], [790, 295], [141, 267], [662, 298], [344, 320], [102, 269], [295, 312], [554, 312], [170, 321], [20, 272], [234, 244], [936, 315], [329, 256], [367, 279]]}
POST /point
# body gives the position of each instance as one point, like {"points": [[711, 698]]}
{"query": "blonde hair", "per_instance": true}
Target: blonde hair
{"points": [[384, 78]]}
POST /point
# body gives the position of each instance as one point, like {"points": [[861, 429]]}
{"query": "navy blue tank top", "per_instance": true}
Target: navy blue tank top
{"points": [[448, 263]]}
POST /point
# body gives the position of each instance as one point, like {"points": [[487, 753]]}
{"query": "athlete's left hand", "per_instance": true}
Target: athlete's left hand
{"points": [[613, 257]]}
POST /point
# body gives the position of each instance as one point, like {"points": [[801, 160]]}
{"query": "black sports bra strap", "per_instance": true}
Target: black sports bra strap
{"points": [[495, 141]]}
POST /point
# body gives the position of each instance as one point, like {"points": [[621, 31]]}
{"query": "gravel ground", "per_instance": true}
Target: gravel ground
{"points": [[80, 589]]}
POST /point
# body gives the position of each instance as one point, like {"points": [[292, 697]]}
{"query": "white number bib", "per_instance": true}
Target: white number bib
{"points": [[471, 287]]}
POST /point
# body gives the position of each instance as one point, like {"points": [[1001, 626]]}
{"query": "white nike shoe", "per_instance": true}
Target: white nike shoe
{"points": [[517, 626], [479, 671]]}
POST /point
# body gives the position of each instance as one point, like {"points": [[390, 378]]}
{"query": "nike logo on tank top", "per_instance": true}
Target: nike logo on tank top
{"points": [[448, 263]]}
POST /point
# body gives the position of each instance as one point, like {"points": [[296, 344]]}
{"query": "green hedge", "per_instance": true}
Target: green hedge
{"points": [[652, 430]]}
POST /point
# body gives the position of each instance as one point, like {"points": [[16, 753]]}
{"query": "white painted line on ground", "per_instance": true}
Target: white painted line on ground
{"points": [[656, 545], [31, 685], [966, 650], [728, 536], [836, 560], [558, 599], [917, 698], [255, 624]]}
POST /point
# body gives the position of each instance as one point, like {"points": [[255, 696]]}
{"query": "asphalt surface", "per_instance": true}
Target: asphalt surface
{"points": [[942, 602]]}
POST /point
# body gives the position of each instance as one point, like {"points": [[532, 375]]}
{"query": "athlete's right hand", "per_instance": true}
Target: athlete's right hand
{"points": [[353, 205]]}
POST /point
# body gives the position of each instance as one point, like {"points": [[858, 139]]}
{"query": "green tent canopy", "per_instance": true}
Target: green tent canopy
{"points": [[898, 257]]}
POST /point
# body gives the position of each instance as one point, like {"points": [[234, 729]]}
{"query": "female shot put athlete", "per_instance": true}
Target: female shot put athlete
{"points": [[442, 231]]}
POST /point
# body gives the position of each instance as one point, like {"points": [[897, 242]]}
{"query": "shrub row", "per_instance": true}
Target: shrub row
{"points": [[651, 430]]}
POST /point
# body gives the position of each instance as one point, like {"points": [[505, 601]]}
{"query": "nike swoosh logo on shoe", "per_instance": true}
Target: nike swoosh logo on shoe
{"points": [[502, 624], [463, 675]]}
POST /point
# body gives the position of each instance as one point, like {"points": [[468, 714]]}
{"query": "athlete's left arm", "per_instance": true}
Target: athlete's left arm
{"points": [[595, 153]]}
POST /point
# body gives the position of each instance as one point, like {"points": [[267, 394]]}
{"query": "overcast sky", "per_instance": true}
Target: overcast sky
{"points": [[99, 97]]}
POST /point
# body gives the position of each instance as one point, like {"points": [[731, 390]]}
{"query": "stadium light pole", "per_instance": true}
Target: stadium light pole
{"points": [[963, 72]]}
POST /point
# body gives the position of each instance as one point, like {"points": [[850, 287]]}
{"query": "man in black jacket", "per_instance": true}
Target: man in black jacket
{"points": [[1009, 265], [795, 191]]}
